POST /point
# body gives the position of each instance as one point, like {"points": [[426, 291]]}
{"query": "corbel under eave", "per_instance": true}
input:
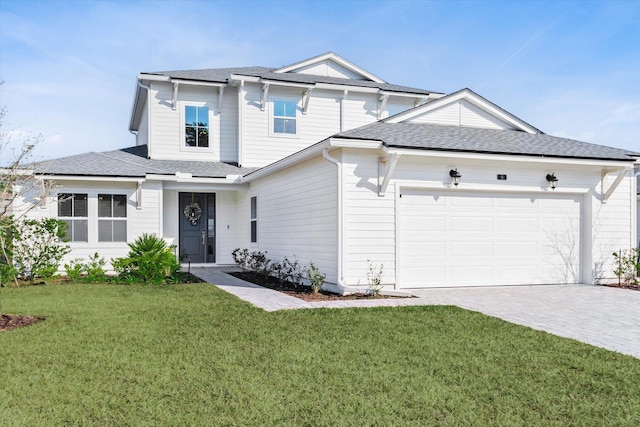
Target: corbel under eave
{"points": [[305, 100], [383, 103], [390, 168], [606, 194], [174, 102], [139, 195], [220, 93], [265, 95]]}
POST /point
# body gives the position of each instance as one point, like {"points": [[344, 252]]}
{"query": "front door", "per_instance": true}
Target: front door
{"points": [[197, 227]]}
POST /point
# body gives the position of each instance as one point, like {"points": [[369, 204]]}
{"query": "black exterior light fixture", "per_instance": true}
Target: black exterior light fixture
{"points": [[455, 176], [553, 180]]}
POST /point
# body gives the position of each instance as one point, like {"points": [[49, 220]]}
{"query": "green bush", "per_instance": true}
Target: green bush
{"points": [[316, 279], [95, 268], [74, 269], [150, 260]]}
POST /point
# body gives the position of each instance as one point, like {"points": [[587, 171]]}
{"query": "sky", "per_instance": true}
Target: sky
{"points": [[569, 68]]}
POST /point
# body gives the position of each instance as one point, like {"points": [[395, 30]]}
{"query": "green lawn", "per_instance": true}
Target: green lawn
{"points": [[194, 355]]}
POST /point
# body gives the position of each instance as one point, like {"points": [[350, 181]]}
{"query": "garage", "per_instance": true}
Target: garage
{"points": [[457, 238]]}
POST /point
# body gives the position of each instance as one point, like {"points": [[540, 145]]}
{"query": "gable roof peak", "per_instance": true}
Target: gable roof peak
{"points": [[336, 59]]}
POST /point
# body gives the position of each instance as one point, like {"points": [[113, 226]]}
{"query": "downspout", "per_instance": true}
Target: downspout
{"points": [[340, 246], [635, 197], [148, 118], [240, 113]]}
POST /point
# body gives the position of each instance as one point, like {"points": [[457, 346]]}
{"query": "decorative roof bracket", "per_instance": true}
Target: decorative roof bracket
{"points": [[606, 194], [390, 164], [220, 94], [305, 100], [265, 96], [383, 103], [174, 103]]}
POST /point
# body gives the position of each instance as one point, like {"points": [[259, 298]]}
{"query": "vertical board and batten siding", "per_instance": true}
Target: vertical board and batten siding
{"points": [[226, 221], [297, 215], [328, 68], [369, 220], [461, 113], [228, 119]]}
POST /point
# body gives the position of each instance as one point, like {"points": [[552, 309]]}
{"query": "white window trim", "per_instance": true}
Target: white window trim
{"points": [[92, 213], [124, 219], [73, 218], [295, 99], [254, 219], [183, 146]]}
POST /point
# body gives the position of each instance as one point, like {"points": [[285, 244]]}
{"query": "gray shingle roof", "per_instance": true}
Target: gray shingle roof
{"points": [[465, 139], [133, 162], [221, 75]]}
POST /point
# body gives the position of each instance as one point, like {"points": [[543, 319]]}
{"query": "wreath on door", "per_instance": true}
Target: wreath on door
{"points": [[193, 212]]}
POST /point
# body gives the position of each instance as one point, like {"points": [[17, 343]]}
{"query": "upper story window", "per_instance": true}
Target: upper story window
{"points": [[196, 126], [73, 210], [284, 116], [112, 218]]}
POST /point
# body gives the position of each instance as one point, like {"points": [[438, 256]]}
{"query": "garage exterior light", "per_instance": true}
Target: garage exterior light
{"points": [[455, 176], [552, 180]]}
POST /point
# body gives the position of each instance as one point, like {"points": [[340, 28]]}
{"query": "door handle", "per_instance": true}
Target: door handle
{"points": [[203, 236]]}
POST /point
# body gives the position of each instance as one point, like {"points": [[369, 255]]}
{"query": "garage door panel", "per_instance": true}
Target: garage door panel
{"points": [[468, 239]]}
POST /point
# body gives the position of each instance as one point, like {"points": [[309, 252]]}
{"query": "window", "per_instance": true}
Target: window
{"points": [[196, 126], [284, 116], [254, 219], [112, 218], [72, 210]]}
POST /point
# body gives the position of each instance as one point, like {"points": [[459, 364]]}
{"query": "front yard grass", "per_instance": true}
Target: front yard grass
{"points": [[194, 355]]}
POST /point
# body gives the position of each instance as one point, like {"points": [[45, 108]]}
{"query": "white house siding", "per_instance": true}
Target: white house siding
{"points": [[261, 147], [359, 109], [167, 133], [144, 220], [461, 113], [142, 136], [327, 68], [228, 119], [369, 220], [611, 227], [297, 215]]}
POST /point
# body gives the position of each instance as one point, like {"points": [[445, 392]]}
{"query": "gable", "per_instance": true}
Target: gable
{"points": [[328, 68], [464, 108], [329, 65], [461, 113]]}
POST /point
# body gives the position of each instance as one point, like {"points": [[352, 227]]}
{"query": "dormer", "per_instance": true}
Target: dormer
{"points": [[329, 65]]}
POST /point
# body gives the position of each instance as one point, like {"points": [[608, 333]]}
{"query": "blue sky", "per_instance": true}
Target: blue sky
{"points": [[570, 68]]}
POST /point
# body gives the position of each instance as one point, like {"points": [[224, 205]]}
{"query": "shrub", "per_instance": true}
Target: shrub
{"points": [[74, 269], [316, 279], [150, 260], [95, 268], [241, 258], [374, 277], [627, 265], [37, 247]]}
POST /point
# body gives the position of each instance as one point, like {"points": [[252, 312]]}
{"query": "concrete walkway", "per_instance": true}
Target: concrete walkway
{"points": [[597, 315]]}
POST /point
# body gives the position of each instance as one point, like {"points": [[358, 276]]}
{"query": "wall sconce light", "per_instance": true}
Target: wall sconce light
{"points": [[455, 176], [553, 180]]}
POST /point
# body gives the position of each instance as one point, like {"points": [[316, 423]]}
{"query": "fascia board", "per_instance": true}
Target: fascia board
{"points": [[153, 77], [195, 180], [106, 179], [197, 83], [404, 94], [361, 89], [371, 144], [240, 77], [506, 157], [288, 84]]}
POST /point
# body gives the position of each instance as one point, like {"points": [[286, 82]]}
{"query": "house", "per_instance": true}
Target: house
{"points": [[324, 160]]}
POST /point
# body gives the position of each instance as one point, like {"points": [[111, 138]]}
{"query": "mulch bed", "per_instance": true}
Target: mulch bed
{"points": [[624, 286], [8, 321], [302, 292]]}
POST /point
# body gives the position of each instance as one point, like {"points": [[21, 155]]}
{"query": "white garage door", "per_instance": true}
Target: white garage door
{"points": [[453, 238]]}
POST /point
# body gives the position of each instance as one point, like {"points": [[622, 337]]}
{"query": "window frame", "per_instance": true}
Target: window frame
{"points": [[71, 220], [273, 117], [183, 125], [111, 218], [253, 219]]}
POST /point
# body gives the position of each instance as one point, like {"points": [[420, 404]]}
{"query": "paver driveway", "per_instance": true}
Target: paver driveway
{"points": [[598, 315]]}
